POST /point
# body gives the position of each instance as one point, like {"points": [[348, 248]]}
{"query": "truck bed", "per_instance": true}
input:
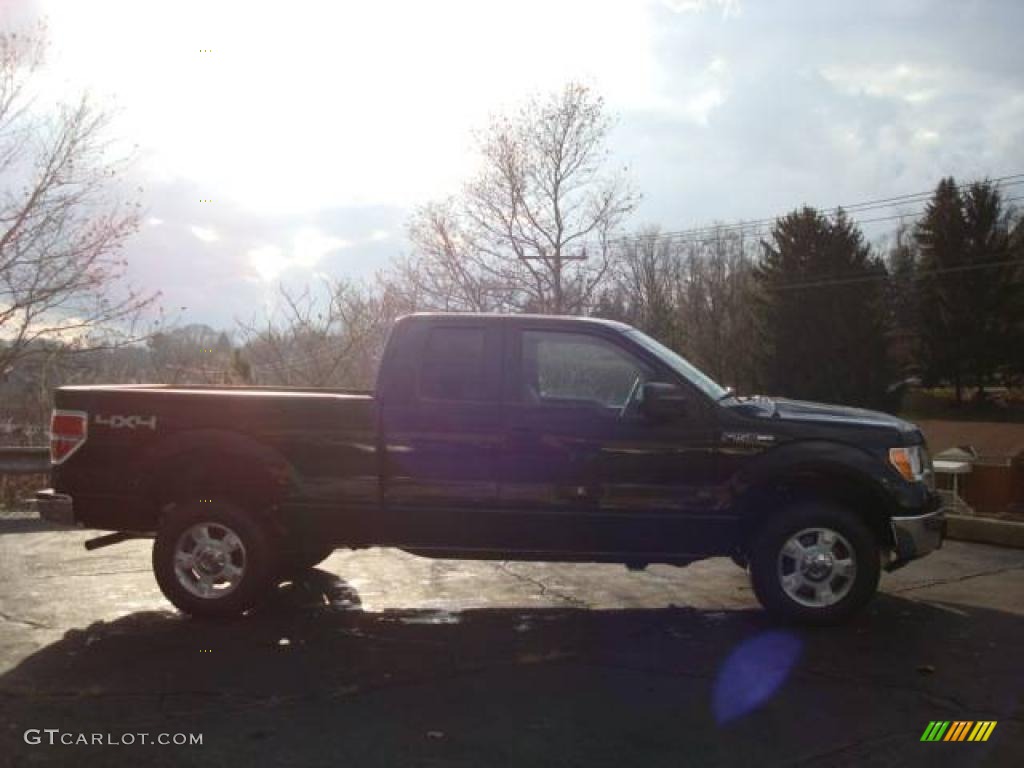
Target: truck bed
{"points": [[325, 440]]}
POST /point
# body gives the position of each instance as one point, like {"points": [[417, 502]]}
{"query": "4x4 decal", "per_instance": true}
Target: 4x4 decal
{"points": [[118, 421]]}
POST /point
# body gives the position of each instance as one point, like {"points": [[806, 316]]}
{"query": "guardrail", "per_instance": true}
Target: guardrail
{"points": [[22, 460]]}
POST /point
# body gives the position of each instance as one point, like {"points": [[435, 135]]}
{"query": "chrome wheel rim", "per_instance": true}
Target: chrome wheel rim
{"points": [[209, 560], [817, 567]]}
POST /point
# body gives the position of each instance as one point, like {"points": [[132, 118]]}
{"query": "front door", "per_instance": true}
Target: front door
{"points": [[585, 470]]}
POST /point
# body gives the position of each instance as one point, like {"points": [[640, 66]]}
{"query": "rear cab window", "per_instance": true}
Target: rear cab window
{"points": [[458, 365]]}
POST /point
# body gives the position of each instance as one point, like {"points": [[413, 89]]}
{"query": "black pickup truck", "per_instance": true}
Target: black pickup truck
{"points": [[497, 437]]}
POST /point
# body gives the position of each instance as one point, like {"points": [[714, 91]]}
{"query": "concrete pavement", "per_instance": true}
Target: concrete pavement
{"points": [[382, 658]]}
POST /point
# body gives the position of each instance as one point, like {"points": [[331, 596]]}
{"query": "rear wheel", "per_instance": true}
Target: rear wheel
{"points": [[815, 563], [212, 559]]}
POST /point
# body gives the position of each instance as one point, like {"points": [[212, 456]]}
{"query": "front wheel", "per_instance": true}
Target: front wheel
{"points": [[815, 563], [212, 559]]}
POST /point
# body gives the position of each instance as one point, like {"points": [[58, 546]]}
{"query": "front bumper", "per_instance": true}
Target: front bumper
{"points": [[55, 507], [917, 536]]}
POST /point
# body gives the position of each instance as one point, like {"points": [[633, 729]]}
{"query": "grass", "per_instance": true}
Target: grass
{"points": [[1005, 405], [14, 489]]}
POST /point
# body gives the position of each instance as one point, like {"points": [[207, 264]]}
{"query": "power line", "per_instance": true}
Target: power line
{"points": [[763, 226], [757, 225], [888, 202], [765, 230], [870, 278]]}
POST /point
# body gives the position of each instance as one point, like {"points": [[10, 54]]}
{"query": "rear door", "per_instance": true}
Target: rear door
{"points": [[440, 429]]}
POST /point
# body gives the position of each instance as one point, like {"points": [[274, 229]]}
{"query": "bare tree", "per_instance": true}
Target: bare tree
{"points": [[717, 305], [323, 341], [695, 295], [531, 230], [61, 225], [649, 275]]}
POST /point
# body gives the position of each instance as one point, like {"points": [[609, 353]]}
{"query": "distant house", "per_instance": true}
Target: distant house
{"points": [[994, 442], [995, 451]]}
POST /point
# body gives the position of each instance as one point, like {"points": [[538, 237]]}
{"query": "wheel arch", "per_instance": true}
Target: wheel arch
{"points": [[216, 463], [838, 476]]}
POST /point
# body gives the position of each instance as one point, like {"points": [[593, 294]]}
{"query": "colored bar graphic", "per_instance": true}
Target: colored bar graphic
{"points": [[958, 730], [984, 731], [935, 730]]}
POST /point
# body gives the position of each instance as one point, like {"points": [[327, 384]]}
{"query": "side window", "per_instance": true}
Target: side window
{"points": [[561, 368], [452, 366]]}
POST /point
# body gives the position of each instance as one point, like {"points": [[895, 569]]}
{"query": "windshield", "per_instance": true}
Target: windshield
{"points": [[680, 365]]}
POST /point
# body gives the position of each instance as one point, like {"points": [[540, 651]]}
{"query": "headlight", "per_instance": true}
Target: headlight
{"points": [[913, 463]]}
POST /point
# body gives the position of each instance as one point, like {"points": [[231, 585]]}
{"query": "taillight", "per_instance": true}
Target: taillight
{"points": [[68, 430]]}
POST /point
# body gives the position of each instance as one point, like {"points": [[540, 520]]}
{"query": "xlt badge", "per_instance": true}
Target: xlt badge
{"points": [[748, 438]]}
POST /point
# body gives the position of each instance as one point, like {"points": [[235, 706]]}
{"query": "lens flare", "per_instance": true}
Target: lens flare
{"points": [[753, 672]]}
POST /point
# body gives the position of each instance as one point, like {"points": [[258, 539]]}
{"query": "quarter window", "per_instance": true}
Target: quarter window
{"points": [[452, 367]]}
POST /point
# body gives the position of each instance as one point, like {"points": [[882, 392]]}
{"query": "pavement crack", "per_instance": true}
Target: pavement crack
{"points": [[545, 590], [24, 622], [949, 701], [96, 573], [829, 756], [958, 579]]}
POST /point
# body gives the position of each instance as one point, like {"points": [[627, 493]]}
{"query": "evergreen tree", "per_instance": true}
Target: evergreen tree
{"points": [[903, 347], [822, 311], [1015, 309], [942, 312], [968, 287]]}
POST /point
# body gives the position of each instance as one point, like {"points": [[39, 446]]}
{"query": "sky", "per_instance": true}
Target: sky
{"points": [[289, 141]]}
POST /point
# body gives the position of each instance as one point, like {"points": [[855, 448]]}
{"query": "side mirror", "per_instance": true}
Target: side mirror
{"points": [[663, 401]]}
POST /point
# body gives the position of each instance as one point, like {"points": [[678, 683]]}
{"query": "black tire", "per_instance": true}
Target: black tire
{"points": [[254, 558], [770, 566], [296, 561]]}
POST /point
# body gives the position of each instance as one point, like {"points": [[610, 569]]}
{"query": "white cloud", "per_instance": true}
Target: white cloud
{"points": [[72, 327], [378, 235], [206, 234], [728, 7], [703, 104], [693, 98], [920, 97], [269, 262], [904, 81], [717, 66], [153, 221], [309, 247]]}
